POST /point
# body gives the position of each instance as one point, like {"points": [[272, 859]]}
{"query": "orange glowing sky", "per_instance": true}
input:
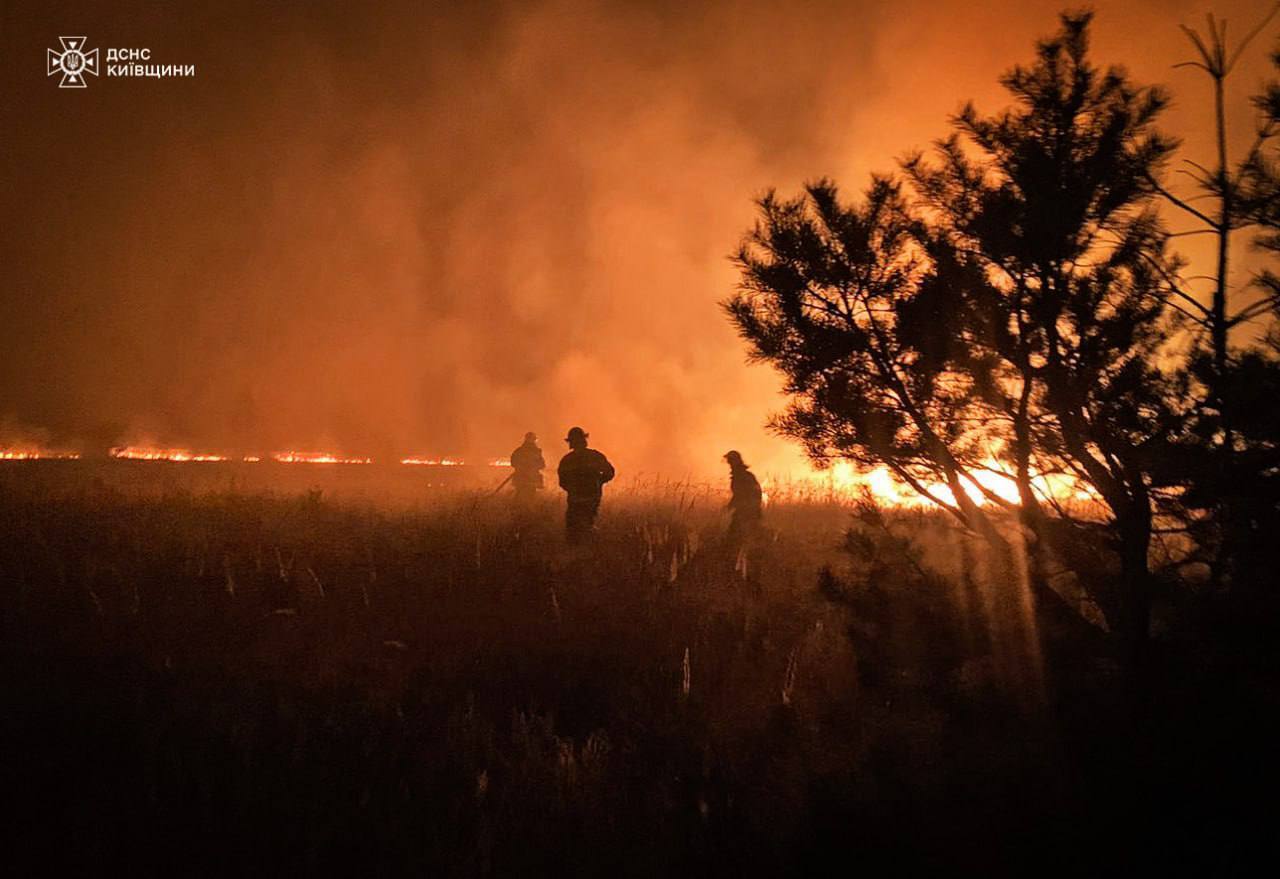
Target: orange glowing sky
{"points": [[404, 232]]}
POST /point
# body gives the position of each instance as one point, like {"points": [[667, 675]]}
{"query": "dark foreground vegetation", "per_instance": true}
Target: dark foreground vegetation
{"points": [[227, 684]]}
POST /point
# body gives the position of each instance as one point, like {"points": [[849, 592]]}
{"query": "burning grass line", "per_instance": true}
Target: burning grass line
{"points": [[36, 455]]}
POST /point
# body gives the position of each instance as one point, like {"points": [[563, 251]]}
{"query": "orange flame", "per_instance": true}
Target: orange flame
{"points": [[155, 453], [316, 458], [36, 455], [890, 491], [148, 453]]}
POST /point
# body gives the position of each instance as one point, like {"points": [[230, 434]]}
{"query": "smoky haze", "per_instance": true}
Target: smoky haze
{"points": [[403, 230]]}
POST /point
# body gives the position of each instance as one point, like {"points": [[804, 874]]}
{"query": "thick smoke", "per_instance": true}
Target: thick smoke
{"points": [[389, 230]]}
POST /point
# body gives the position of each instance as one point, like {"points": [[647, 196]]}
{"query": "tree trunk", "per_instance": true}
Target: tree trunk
{"points": [[1135, 585]]}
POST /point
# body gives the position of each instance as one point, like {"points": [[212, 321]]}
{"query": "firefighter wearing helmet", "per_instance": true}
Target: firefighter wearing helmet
{"points": [[583, 473], [745, 500], [526, 469]]}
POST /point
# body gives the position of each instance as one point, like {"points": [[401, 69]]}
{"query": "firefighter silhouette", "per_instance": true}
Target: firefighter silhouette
{"points": [[527, 465], [583, 473], [745, 500]]}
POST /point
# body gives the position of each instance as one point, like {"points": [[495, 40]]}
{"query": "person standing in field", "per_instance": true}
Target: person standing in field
{"points": [[583, 473], [527, 465], [745, 500]]}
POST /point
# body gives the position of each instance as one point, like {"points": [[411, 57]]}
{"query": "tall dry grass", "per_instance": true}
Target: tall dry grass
{"points": [[217, 682]]}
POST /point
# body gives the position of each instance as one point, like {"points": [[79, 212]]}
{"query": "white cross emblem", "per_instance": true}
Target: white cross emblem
{"points": [[73, 62]]}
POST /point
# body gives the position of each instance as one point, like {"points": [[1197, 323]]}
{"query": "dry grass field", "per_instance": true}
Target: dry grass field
{"points": [[202, 680]]}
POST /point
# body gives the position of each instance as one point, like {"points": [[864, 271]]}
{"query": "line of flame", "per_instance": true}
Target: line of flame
{"points": [[879, 482], [143, 453], [36, 455], [316, 458], [153, 453]]}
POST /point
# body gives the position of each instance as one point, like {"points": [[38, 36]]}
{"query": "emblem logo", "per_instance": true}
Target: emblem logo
{"points": [[73, 62]]}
